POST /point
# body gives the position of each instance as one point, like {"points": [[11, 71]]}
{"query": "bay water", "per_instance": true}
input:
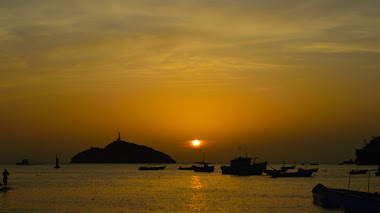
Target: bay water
{"points": [[122, 188]]}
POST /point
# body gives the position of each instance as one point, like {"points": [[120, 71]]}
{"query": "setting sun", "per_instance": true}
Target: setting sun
{"points": [[196, 143]]}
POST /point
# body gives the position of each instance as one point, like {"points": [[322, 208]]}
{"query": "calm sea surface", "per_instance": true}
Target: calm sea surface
{"points": [[122, 188]]}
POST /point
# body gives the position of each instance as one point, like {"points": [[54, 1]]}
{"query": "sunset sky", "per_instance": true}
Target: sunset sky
{"points": [[284, 80]]}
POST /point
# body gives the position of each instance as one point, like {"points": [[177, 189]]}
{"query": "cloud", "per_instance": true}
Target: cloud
{"points": [[239, 63]]}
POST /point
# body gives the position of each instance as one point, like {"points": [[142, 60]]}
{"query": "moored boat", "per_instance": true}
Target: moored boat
{"points": [[24, 162], [278, 173], [286, 168], [313, 170], [358, 172], [152, 168], [204, 167], [186, 168], [347, 200], [242, 166]]}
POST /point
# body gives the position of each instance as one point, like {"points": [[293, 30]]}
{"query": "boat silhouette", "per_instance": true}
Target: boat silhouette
{"points": [[151, 168], [312, 170], [346, 199], [242, 166], [358, 172], [279, 173], [187, 168], [24, 162], [204, 167], [286, 168]]}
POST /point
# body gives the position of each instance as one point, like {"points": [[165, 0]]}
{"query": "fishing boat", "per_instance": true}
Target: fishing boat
{"points": [[152, 168], [242, 166], [24, 162], [186, 168], [313, 170], [358, 172], [286, 168], [279, 173], [348, 200], [204, 167]]}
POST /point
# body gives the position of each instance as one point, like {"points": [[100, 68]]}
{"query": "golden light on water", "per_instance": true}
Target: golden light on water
{"points": [[196, 143]]}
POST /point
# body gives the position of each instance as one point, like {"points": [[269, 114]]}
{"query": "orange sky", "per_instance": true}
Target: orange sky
{"points": [[287, 80]]}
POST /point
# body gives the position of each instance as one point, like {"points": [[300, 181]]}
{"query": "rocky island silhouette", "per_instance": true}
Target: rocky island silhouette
{"points": [[121, 151], [370, 153]]}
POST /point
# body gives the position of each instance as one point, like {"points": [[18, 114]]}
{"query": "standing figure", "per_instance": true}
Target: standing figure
{"points": [[5, 178]]}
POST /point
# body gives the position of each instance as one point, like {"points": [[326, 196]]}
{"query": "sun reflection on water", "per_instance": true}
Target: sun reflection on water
{"points": [[195, 182], [197, 196]]}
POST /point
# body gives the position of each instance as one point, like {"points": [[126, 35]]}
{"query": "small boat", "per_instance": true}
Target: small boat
{"points": [[358, 172], [242, 166], [24, 162], [286, 168], [152, 168], [204, 167], [278, 173], [314, 164], [313, 170], [186, 168], [347, 200]]}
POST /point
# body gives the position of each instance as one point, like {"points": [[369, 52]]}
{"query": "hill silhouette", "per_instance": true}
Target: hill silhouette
{"points": [[370, 153], [122, 152]]}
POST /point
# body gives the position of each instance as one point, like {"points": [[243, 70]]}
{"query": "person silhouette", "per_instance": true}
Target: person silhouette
{"points": [[5, 178]]}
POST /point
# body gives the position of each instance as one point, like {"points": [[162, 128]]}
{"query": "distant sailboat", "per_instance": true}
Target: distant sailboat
{"points": [[56, 162]]}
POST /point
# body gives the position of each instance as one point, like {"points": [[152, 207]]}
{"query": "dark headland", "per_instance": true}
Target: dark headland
{"points": [[370, 153], [122, 152]]}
